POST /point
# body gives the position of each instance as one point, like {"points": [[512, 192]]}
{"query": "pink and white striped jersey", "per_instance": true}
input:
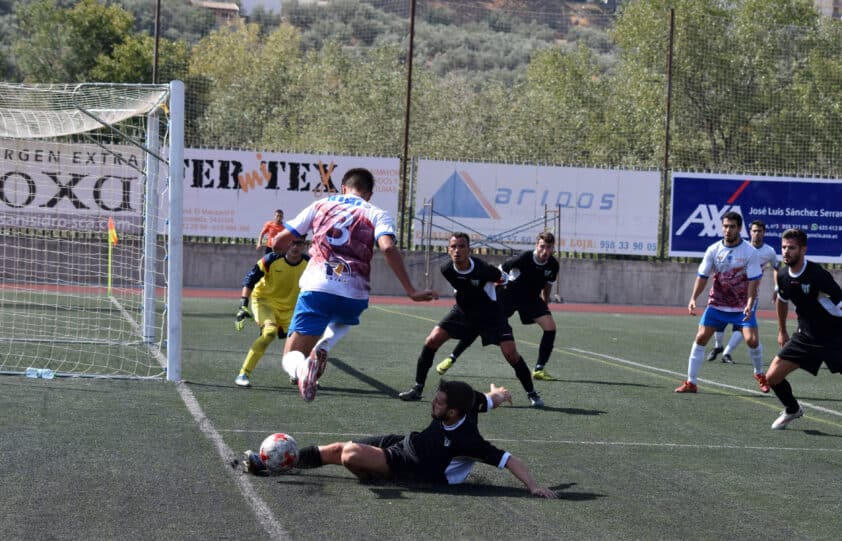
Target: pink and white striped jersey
{"points": [[345, 228]]}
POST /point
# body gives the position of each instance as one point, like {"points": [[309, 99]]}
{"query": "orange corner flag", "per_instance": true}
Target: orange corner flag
{"points": [[112, 231]]}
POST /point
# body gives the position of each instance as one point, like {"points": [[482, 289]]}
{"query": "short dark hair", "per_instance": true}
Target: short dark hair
{"points": [[278, 211], [798, 235], [460, 395], [546, 236], [734, 217], [758, 223], [461, 235], [360, 179]]}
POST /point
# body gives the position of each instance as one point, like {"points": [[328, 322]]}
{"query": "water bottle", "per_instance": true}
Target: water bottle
{"points": [[31, 372], [46, 373]]}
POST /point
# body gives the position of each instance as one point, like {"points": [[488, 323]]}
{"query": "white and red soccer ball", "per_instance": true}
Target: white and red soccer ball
{"points": [[279, 452]]}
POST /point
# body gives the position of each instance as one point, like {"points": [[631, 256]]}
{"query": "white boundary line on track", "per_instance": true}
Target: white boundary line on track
{"points": [[705, 381]]}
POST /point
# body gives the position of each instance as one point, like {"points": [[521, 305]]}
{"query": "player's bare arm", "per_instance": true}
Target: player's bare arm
{"points": [[519, 470], [782, 310], [393, 257], [752, 298], [698, 287]]}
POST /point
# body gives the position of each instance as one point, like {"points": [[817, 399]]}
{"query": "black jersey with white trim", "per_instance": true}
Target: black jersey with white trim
{"points": [[817, 299], [531, 276], [437, 445], [474, 287]]}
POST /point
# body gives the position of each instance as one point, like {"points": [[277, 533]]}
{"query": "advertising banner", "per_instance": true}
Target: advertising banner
{"points": [[70, 187], [700, 199], [231, 193], [603, 211]]}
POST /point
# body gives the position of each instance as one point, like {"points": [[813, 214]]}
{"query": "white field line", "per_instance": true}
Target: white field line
{"points": [[340, 436], [705, 381]]}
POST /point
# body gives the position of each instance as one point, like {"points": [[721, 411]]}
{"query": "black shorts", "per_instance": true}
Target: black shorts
{"points": [[809, 353], [401, 458], [492, 328], [528, 309]]}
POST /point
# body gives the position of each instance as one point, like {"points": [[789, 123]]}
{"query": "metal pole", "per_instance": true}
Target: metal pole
{"points": [[405, 154], [665, 175], [157, 38]]}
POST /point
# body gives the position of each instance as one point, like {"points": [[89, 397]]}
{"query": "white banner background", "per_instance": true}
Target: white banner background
{"points": [[602, 210], [215, 206]]}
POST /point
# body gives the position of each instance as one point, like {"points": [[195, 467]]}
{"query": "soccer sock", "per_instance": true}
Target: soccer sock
{"points": [[258, 348], [756, 356], [309, 457], [733, 342], [460, 348], [717, 339], [697, 357], [524, 375], [333, 334], [425, 361], [545, 349], [783, 391]]}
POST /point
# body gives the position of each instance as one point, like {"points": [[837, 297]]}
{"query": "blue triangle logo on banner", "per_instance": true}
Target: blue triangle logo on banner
{"points": [[456, 199]]}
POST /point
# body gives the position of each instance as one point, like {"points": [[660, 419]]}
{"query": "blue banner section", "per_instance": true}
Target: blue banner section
{"points": [[700, 200]]}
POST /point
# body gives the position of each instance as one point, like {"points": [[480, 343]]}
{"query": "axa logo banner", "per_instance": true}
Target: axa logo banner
{"points": [[506, 206], [70, 186], [231, 193], [699, 201]]}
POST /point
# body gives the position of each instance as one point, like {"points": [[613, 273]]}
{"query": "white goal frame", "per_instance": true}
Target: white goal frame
{"points": [[42, 113]]}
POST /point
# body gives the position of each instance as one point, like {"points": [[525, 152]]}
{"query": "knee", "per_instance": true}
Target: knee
{"points": [[269, 332]]}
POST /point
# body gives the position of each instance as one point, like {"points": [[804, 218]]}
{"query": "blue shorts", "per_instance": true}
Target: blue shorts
{"points": [[719, 319], [315, 309]]}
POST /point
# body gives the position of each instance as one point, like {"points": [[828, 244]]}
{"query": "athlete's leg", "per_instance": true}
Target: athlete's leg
{"points": [[522, 372], [547, 324]]}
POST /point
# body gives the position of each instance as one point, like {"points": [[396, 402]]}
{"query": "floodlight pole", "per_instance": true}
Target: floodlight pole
{"points": [[665, 176], [405, 155]]}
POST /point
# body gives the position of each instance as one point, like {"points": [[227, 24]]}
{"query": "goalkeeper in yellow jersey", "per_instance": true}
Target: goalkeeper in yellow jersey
{"points": [[272, 287]]}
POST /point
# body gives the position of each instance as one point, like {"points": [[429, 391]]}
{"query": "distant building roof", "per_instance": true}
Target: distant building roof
{"points": [[221, 6]]}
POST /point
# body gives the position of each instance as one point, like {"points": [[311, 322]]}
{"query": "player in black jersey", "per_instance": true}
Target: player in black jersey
{"points": [[528, 293], [442, 453], [818, 303], [477, 313]]}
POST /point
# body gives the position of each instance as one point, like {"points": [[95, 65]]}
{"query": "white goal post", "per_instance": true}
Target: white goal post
{"points": [[91, 229]]}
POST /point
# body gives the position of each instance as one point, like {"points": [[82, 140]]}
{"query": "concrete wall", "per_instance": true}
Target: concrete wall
{"points": [[580, 280]]}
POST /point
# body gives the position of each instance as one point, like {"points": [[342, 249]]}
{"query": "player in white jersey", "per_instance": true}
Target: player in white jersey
{"points": [[768, 257], [733, 293], [335, 286]]}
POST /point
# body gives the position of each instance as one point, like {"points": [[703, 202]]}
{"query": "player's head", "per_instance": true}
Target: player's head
{"points": [[296, 249], [459, 247], [358, 181], [544, 246], [279, 216], [453, 399], [732, 225], [793, 246], [757, 230]]}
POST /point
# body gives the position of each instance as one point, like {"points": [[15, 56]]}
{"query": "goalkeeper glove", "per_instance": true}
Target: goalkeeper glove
{"points": [[242, 315]]}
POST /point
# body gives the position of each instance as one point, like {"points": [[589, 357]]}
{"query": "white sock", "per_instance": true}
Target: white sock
{"points": [[717, 339], [697, 357], [736, 338], [332, 335], [756, 356], [291, 361]]}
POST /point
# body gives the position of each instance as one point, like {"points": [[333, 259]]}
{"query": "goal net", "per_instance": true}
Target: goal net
{"points": [[90, 279]]}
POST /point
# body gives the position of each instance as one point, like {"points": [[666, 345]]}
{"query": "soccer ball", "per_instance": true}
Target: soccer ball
{"points": [[279, 452]]}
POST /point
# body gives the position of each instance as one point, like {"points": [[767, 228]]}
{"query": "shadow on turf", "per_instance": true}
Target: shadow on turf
{"points": [[388, 491], [811, 432]]}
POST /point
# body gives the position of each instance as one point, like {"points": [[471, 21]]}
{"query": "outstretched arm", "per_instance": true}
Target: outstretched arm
{"points": [[498, 395], [519, 470], [386, 243]]}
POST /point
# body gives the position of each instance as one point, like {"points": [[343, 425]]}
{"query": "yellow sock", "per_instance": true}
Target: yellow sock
{"points": [[258, 348]]}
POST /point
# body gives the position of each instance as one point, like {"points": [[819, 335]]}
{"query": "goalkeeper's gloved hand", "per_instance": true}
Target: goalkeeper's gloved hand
{"points": [[242, 315]]}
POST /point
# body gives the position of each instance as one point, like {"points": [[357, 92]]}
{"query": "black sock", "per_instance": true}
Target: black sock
{"points": [[425, 361], [545, 349], [460, 348], [309, 457], [783, 391], [524, 375]]}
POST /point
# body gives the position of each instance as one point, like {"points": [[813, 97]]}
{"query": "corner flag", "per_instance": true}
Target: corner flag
{"points": [[112, 232]]}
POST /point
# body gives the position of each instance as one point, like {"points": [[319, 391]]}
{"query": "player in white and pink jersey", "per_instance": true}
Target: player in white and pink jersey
{"points": [[335, 286], [736, 272]]}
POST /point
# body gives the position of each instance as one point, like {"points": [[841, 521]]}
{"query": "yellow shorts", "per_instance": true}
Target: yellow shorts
{"points": [[269, 312]]}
